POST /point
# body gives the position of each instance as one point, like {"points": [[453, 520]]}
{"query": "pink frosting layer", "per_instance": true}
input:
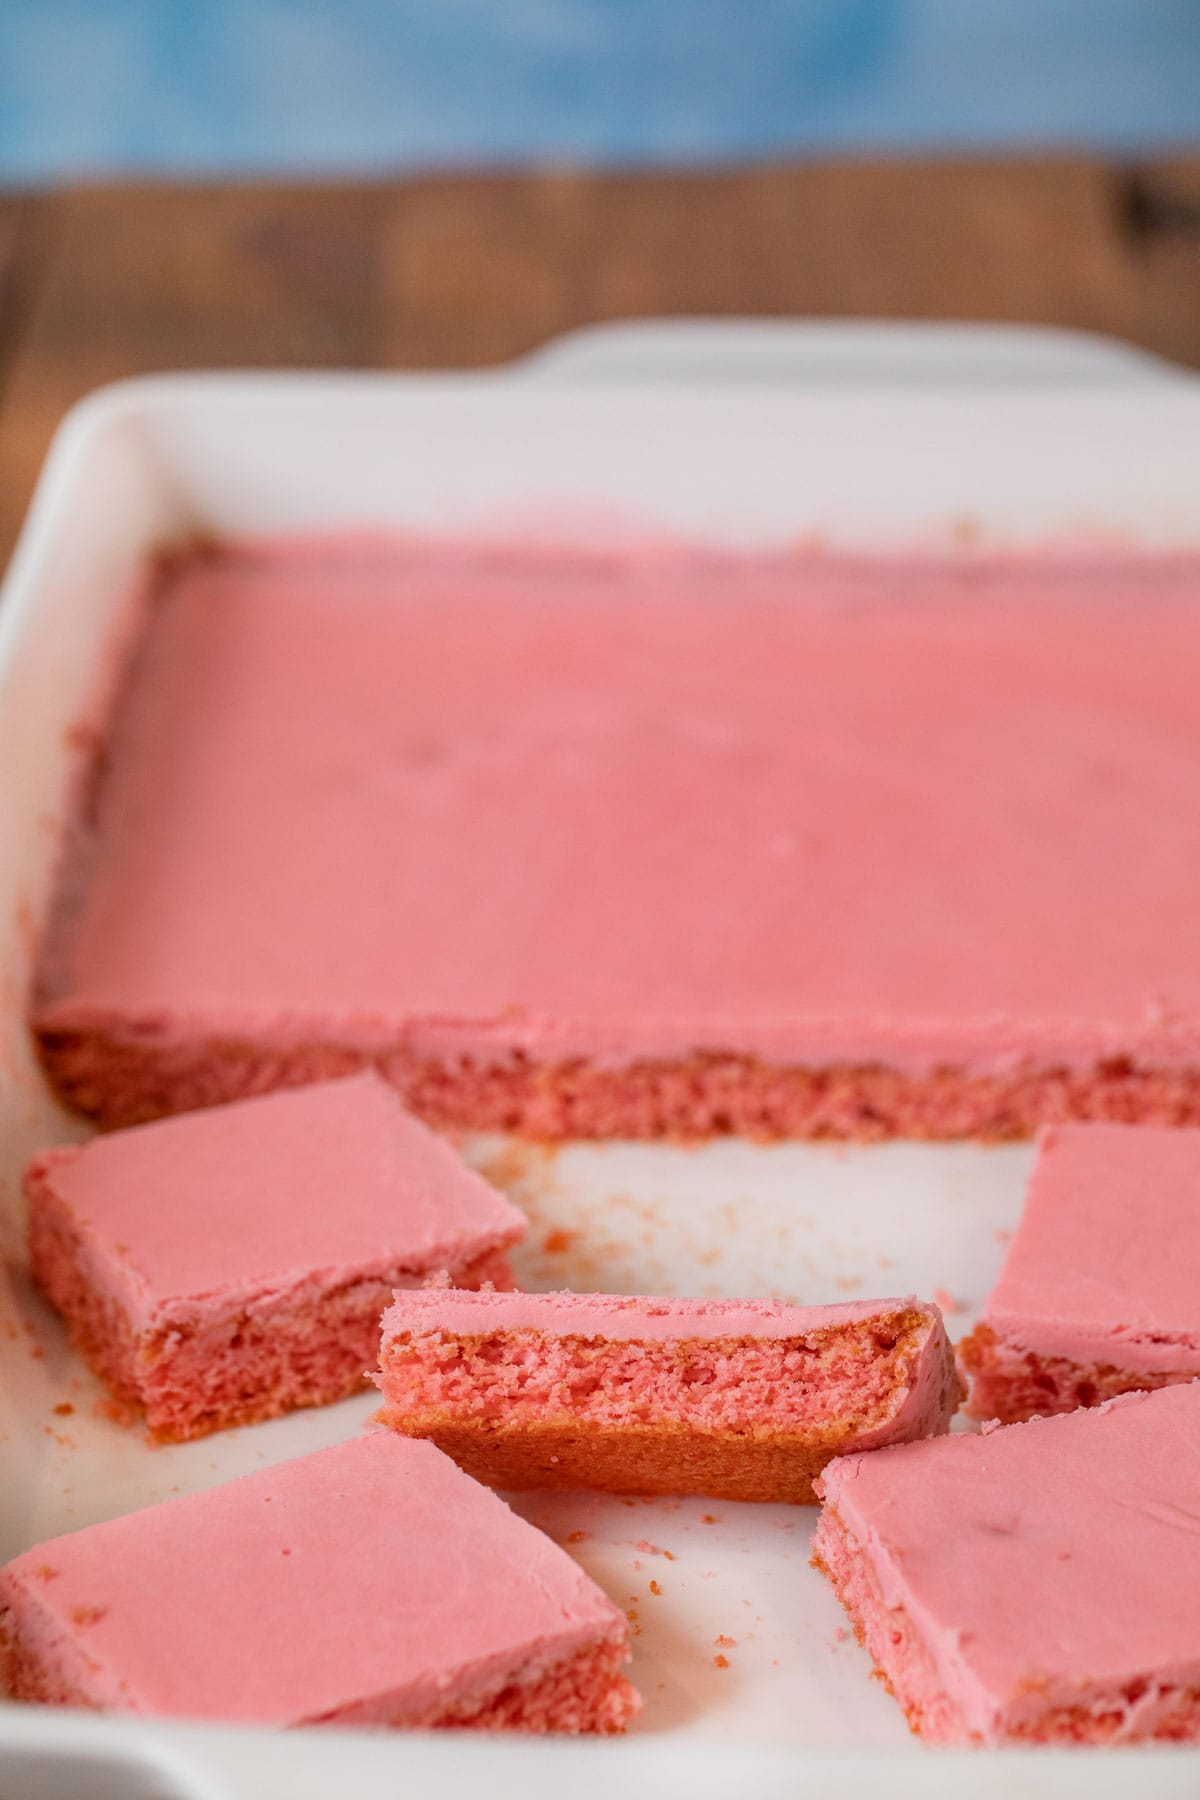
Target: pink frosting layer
{"points": [[1048, 1564], [320, 1186], [1103, 1265], [645, 804], [624, 1318], [373, 1579]]}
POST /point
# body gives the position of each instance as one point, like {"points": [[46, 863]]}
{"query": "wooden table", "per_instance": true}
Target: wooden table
{"points": [[102, 282]]}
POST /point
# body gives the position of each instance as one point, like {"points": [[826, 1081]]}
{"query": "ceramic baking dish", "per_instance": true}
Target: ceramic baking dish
{"points": [[753, 462]]}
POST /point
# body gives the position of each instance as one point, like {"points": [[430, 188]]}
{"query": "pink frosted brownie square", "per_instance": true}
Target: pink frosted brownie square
{"points": [[232, 1264], [1098, 1293], [740, 1399], [369, 1584], [1035, 1584]]}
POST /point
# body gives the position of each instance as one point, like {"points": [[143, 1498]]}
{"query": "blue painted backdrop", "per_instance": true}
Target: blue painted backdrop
{"points": [[341, 85]]}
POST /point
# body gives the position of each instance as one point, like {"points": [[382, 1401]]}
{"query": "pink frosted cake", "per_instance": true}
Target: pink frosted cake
{"points": [[1036, 1584], [369, 1584], [233, 1264], [1098, 1293], [740, 1399], [654, 842]]}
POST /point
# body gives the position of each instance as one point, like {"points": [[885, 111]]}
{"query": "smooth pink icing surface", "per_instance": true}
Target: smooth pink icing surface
{"points": [[1042, 1564], [808, 807], [320, 1184], [1103, 1267], [625, 1318], [374, 1571]]}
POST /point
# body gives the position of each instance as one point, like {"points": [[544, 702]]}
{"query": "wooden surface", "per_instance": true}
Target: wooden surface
{"points": [[110, 281]]}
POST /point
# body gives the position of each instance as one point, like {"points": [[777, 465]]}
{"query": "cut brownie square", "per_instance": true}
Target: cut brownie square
{"points": [[739, 1399], [1098, 1292], [233, 1264], [1035, 1584], [370, 1584]]}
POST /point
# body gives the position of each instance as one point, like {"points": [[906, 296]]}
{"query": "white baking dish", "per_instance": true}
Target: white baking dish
{"points": [[738, 462]]}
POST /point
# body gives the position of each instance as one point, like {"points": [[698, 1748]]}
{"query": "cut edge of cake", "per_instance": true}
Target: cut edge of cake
{"points": [[1010, 1382], [120, 1077], [733, 1400]]}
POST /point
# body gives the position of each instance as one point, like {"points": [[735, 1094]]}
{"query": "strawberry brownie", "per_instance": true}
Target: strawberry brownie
{"points": [[650, 841], [232, 1264], [1098, 1292], [1036, 1584], [739, 1399], [369, 1584]]}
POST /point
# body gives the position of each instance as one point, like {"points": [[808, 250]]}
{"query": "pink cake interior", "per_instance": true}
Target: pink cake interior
{"points": [[712, 1365], [341, 822], [1033, 1583], [1009, 1383], [372, 1583]]}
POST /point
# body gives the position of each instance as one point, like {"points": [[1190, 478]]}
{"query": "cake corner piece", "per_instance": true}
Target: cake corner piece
{"points": [[477, 1620], [205, 1273], [1009, 1591], [1095, 1297]]}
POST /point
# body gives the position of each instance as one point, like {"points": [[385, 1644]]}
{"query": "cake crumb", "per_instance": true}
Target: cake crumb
{"points": [[709, 1519], [558, 1242], [87, 1615], [64, 1408], [116, 1412], [725, 1643], [654, 1588], [578, 1537], [948, 1302], [721, 1662]]}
